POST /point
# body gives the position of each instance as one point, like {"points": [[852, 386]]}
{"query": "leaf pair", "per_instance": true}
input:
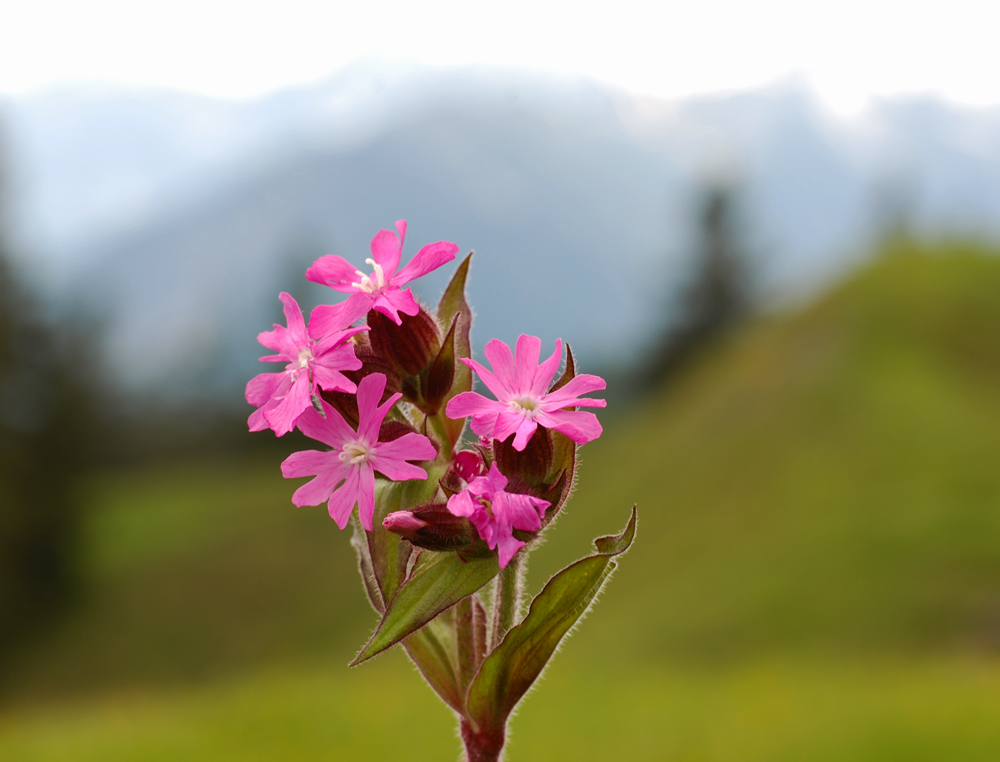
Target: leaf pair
{"points": [[439, 620]]}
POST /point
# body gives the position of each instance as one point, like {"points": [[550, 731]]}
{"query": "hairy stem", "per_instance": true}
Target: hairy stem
{"points": [[482, 746], [506, 600]]}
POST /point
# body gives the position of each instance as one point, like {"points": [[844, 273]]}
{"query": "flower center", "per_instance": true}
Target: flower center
{"points": [[370, 284], [354, 452], [305, 357], [524, 405]]}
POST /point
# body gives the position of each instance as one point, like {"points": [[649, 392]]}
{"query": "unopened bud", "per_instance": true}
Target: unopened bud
{"points": [[434, 527], [403, 523], [531, 465], [411, 346]]}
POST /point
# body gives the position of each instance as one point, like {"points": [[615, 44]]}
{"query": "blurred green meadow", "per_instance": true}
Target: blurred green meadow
{"points": [[816, 574]]}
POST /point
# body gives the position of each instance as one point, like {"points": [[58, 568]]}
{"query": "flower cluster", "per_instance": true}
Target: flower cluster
{"points": [[443, 518], [391, 398]]}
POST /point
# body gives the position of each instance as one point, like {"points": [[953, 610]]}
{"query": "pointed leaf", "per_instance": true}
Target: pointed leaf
{"points": [[435, 586], [454, 307], [568, 374], [509, 671], [441, 374], [433, 650], [360, 543]]}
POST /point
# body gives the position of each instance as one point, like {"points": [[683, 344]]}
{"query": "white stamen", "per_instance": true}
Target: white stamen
{"points": [[355, 452], [371, 283], [305, 357]]}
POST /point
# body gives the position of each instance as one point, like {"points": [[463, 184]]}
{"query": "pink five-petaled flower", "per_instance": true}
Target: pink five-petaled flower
{"points": [[523, 400], [381, 289], [496, 513], [312, 364], [346, 475]]}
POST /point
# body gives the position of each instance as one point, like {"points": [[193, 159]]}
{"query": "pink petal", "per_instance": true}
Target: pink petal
{"points": [[580, 426], [335, 272], [277, 340], [502, 362], [370, 413], [343, 499], [484, 423], [546, 372], [257, 421], [334, 340], [507, 546], [393, 301], [493, 382], [462, 504], [293, 319], [507, 423], [282, 416], [524, 433], [471, 403], [329, 319], [496, 480], [567, 395], [263, 387], [333, 380], [429, 258], [366, 495], [408, 447], [311, 463], [387, 248], [332, 430], [526, 355], [520, 511]]}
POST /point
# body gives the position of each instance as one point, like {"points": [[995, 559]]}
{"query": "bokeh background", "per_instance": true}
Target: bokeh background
{"points": [[775, 231]]}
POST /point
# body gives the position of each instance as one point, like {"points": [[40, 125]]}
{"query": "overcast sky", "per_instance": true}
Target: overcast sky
{"points": [[847, 50]]}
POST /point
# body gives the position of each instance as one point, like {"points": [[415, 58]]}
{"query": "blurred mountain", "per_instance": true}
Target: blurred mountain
{"points": [[179, 217]]}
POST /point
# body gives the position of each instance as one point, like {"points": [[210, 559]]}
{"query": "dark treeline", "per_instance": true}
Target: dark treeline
{"points": [[48, 429], [716, 293]]}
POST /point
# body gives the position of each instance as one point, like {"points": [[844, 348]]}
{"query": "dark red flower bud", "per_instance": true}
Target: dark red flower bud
{"points": [[411, 346], [433, 527], [533, 464]]}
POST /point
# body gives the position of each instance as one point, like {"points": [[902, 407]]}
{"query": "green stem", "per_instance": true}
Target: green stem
{"points": [[436, 424], [506, 600]]}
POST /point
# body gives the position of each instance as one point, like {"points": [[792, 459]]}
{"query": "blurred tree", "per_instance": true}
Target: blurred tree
{"points": [[46, 417], [717, 292]]}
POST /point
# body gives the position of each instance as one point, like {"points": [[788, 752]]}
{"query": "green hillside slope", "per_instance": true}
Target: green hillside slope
{"points": [[817, 572]]}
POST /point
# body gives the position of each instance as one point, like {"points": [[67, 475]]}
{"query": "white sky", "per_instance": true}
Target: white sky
{"points": [[847, 50]]}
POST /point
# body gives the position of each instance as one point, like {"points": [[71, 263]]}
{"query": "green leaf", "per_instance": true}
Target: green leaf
{"points": [[433, 649], [389, 553], [359, 541], [509, 671], [436, 584], [454, 307], [441, 374]]}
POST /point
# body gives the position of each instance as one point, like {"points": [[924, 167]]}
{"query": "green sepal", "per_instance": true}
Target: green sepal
{"points": [[509, 671], [438, 581]]}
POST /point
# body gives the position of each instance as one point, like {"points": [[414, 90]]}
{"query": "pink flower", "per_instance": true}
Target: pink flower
{"points": [[496, 513], [346, 475], [381, 289], [523, 402], [282, 397]]}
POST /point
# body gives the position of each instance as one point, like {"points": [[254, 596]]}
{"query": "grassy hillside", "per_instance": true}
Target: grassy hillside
{"points": [[817, 574]]}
